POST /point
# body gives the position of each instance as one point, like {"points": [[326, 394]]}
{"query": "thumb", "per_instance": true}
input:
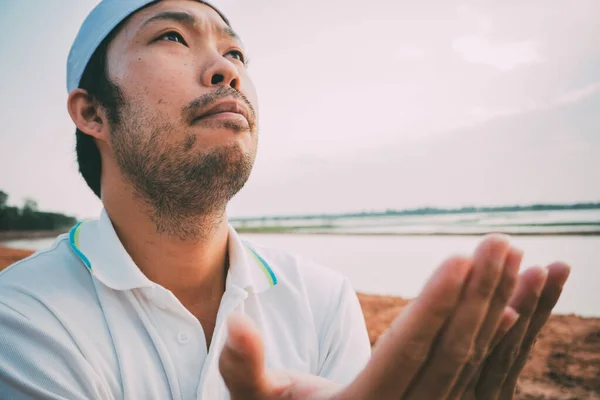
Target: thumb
{"points": [[242, 360]]}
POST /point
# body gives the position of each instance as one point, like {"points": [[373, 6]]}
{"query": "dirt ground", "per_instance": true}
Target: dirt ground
{"points": [[565, 363]]}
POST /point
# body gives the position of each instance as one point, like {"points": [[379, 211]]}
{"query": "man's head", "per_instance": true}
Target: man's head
{"points": [[166, 103]]}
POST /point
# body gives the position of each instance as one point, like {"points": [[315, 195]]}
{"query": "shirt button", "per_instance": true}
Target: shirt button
{"points": [[183, 337]]}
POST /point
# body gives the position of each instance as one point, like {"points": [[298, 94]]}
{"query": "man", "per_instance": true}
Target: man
{"points": [[160, 298]]}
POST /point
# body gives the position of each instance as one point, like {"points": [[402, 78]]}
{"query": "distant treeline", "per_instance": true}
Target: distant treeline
{"points": [[428, 211], [28, 218]]}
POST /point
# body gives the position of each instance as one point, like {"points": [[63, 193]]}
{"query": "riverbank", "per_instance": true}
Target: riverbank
{"points": [[9, 256], [5, 236], [565, 364], [323, 231]]}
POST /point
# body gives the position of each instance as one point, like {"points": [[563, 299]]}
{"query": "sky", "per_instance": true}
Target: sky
{"points": [[363, 105]]}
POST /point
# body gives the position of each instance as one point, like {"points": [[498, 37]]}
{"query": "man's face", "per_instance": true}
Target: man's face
{"points": [[186, 135]]}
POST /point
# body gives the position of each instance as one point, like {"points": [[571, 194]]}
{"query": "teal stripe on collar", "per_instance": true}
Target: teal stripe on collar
{"points": [[74, 243], [269, 274]]}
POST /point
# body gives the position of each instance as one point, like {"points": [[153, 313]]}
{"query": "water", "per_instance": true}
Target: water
{"points": [[519, 222], [399, 265], [29, 244]]}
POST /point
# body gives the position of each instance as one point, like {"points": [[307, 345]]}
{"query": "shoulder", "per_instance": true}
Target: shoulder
{"points": [[41, 299], [51, 255], [49, 279]]}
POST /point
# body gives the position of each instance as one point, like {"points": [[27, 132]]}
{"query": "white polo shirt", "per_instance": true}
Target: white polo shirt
{"points": [[81, 321]]}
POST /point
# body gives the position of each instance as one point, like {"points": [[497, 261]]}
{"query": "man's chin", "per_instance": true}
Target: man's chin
{"points": [[238, 148]]}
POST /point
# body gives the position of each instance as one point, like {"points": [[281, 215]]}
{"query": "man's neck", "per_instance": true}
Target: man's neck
{"points": [[192, 268]]}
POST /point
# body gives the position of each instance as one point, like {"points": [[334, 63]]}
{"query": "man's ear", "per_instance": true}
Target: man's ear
{"points": [[87, 114]]}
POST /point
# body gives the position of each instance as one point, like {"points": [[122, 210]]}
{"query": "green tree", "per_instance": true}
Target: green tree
{"points": [[30, 206], [29, 218], [9, 216], [3, 199]]}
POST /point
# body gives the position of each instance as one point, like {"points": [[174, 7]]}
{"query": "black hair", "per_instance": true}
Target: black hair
{"points": [[105, 93]]}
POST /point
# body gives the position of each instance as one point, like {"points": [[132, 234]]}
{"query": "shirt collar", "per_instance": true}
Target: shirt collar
{"points": [[99, 248], [248, 269]]}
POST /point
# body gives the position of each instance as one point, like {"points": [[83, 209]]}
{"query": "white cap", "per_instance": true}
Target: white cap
{"points": [[96, 27]]}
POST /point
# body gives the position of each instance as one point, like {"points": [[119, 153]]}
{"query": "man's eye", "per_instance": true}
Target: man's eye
{"points": [[238, 55], [172, 37]]}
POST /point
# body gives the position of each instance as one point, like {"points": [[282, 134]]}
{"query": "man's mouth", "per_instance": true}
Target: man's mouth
{"points": [[229, 109]]}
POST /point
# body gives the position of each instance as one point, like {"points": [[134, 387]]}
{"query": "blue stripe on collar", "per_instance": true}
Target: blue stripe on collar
{"points": [[263, 265], [74, 242]]}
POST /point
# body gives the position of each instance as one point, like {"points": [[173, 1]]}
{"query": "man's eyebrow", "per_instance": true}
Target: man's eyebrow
{"points": [[227, 31], [189, 20], [176, 16]]}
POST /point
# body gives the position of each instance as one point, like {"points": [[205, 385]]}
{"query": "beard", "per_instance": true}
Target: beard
{"points": [[184, 191]]}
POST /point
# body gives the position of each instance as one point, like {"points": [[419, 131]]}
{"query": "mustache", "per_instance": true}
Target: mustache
{"points": [[208, 99]]}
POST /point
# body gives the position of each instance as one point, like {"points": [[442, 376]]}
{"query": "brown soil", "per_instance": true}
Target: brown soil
{"points": [[564, 365], [9, 256]]}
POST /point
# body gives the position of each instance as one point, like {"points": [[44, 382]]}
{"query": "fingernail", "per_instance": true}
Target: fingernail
{"points": [[518, 251], [498, 236], [512, 315], [537, 271], [565, 273], [514, 259]]}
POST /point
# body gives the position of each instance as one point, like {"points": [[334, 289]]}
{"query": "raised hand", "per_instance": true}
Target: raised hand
{"points": [[534, 300], [423, 352], [435, 349]]}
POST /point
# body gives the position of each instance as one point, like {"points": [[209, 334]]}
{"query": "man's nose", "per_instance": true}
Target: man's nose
{"points": [[221, 72]]}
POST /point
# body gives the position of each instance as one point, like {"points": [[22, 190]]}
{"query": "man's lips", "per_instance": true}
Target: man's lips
{"points": [[225, 110]]}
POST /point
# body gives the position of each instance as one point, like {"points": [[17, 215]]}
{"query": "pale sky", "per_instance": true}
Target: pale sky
{"points": [[364, 105]]}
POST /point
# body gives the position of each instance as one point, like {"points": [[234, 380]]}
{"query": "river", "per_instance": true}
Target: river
{"points": [[399, 265]]}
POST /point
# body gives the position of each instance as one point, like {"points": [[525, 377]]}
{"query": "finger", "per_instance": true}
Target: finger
{"points": [[558, 273], [455, 346], [509, 318], [403, 348], [241, 362], [499, 362], [498, 313]]}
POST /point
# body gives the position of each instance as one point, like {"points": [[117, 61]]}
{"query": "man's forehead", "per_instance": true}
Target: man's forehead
{"points": [[194, 11]]}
